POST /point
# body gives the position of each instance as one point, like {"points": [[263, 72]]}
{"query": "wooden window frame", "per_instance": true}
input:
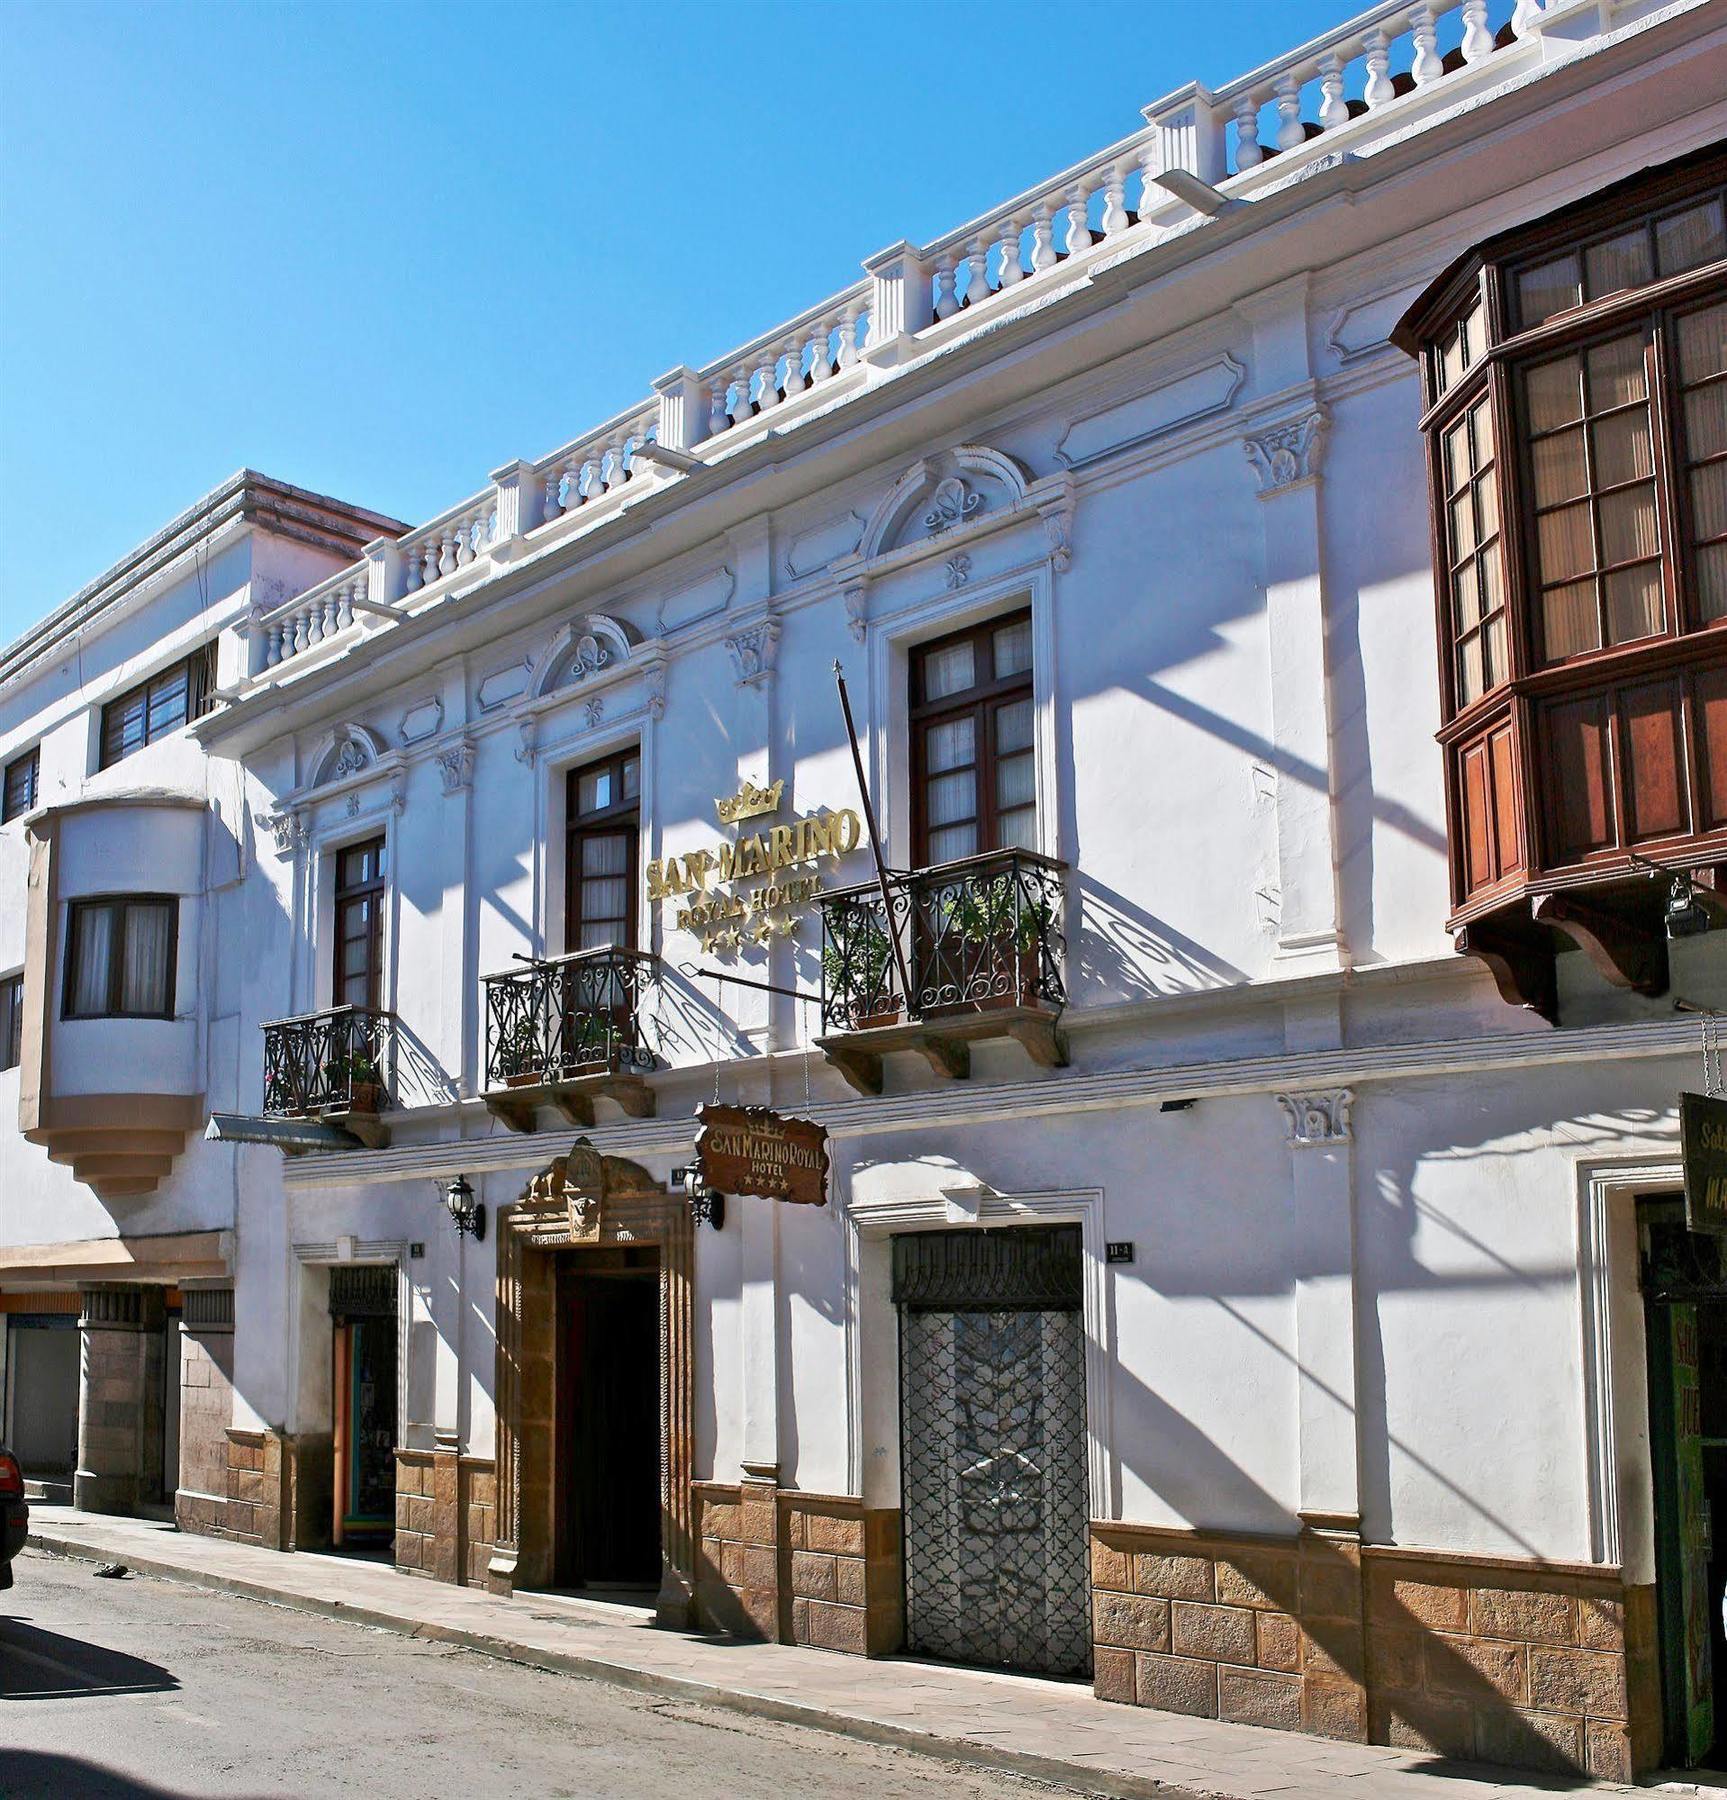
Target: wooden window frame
{"points": [[606, 822], [11, 1020], [120, 904], [29, 766], [374, 888], [197, 671], [981, 701]]}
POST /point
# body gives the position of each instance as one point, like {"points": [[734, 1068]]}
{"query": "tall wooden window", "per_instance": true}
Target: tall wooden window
{"points": [[21, 777], [359, 951], [973, 767], [158, 706], [603, 810], [120, 958], [11, 1020]]}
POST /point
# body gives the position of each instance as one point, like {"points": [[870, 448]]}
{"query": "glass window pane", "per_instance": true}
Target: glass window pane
{"points": [[608, 855], [1706, 421], [1622, 448], [1709, 501], [949, 671], [1621, 262], [605, 898], [952, 745], [1566, 545], [1487, 505], [593, 790], [1498, 667], [632, 777], [1456, 456], [1549, 288], [144, 968], [1628, 525], [1473, 338], [1568, 619], [599, 934], [1712, 582], [950, 798], [1561, 472], [1018, 829], [1634, 607], [1617, 374], [1013, 649], [953, 842], [1687, 240], [1555, 392], [92, 959], [1470, 682], [1015, 782], [1013, 726], [1466, 597], [1703, 344], [1492, 588], [1451, 362], [356, 991], [1463, 523]]}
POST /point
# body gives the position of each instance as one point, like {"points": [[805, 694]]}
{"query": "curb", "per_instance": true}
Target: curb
{"points": [[1116, 1784]]}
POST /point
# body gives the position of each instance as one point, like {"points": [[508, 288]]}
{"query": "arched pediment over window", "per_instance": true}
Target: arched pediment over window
{"points": [[942, 491], [349, 750], [581, 648]]}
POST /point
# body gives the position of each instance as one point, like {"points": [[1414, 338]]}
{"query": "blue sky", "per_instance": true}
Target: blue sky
{"points": [[380, 249]]}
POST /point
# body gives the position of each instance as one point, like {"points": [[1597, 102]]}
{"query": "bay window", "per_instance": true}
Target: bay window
{"points": [[120, 959]]}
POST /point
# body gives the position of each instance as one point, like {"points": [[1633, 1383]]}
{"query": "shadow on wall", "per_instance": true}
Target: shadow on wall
{"points": [[1121, 951]]}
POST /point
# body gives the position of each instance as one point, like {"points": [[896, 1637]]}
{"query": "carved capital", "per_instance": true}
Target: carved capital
{"points": [[857, 612], [754, 651], [1289, 453], [1317, 1119], [654, 679], [288, 829], [528, 731], [456, 766]]}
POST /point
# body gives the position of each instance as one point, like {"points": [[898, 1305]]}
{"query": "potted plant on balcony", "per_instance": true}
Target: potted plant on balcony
{"points": [[519, 1058], [354, 1083], [857, 969], [1003, 928]]}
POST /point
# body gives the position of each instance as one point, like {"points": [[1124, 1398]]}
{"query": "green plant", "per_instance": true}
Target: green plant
{"points": [[356, 1068], [858, 955]]}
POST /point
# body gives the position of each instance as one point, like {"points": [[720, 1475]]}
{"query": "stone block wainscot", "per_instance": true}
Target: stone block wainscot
{"points": [[1530, 1664]]}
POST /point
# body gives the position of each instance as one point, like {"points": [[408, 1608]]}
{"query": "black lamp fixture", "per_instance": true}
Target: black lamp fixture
{"points": [[1685, 913], [706, 1206], [468, 1214]]}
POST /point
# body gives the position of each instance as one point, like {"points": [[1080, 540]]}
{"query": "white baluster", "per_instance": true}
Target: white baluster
{"points": [[302, 630], [821, 368], [718, 417], [1379, 89], [946, 277], [1043, 254], [464, 542], [273, 645], [315, 623], [1428, 66], [741, 403], [1526, 19], [345, 607], [411, 576], [849, 333], [1248, 154], [429, 560], [1078, 229], [447, 554], [794, 369], [1477, 39], [767, 391], [1333, 108], [330, 606], [1291, 134], [1115, 201], [977, 266], [1008, 243]]}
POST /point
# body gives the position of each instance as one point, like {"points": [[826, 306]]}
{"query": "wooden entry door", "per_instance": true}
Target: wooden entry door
{"points": [[607, 1475]]}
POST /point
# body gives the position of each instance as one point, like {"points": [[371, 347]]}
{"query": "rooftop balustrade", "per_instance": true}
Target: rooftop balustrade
{"points": [[981, 943], [567, 1030], [1378, 74]]}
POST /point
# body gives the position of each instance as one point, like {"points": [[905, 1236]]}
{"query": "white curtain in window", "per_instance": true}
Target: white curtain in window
{"points": [[92, 959], [148, 947]]}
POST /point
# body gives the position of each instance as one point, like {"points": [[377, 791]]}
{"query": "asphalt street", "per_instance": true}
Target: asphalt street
{"points": [[147, 1688]]}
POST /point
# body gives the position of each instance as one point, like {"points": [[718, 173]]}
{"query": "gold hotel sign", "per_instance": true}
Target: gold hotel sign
{"points": [[759, 886]]}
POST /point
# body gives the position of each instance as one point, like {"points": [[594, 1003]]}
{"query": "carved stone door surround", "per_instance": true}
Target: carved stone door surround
{"points": [[586, 1200]]}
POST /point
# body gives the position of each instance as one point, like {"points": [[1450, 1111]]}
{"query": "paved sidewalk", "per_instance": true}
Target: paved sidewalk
{"points": [[1051, 1730]]}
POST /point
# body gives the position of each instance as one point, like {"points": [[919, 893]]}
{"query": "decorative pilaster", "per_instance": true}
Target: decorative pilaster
{"points": [[684, 409], [901, 301]]}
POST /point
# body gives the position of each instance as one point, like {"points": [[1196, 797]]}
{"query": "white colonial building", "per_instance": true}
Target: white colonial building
{"points": [[1280, 553]]}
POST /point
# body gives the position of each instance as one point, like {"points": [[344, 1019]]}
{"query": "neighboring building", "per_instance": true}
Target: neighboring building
{"points": [[1224, 1290], [124, 949]]}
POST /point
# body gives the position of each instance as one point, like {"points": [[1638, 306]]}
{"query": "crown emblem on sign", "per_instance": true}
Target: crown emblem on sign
{"points": [[750, 802]]}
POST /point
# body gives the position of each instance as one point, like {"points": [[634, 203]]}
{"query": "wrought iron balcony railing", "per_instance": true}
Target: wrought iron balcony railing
{"points": [[569, 1016], [338, 1061], [986, 932]]}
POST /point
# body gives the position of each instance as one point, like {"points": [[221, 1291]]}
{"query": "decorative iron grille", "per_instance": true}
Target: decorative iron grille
{"points": [[992, 1448], [982, 932], [342, 1060], [568, 1016]]}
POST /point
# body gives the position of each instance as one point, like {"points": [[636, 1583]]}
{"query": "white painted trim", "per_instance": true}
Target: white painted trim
{"points": [[874, 1222]]}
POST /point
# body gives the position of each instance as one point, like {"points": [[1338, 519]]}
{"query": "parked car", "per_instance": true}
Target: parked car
{"points": [[14, 1514]]}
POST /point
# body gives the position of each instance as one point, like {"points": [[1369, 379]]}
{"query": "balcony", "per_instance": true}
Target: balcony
{"points": [[567, 1031], [336, 1066], [985, 953]]}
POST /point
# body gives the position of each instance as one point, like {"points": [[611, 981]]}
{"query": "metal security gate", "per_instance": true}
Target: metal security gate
{"points": [[992, 1447]]}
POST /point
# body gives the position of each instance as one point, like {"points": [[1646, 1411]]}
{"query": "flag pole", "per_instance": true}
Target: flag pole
{"points": [[874, 838]]}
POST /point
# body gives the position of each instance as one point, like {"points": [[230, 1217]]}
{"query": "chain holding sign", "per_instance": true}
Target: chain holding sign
{"points": [[755, 1150]]}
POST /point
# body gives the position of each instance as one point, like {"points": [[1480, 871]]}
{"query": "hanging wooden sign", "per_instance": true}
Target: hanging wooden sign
{"points": [[1703, 1155], [754, 1150]]}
